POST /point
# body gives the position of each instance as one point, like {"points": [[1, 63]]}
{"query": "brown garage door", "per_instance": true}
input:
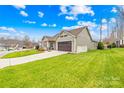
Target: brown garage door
{"points": [[65, 46]]}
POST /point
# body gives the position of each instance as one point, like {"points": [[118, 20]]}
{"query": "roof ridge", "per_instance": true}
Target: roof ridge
{"points": [[77, 28], [76, 31]]}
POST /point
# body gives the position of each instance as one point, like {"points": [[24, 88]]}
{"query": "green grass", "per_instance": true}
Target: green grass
{"points": [[98, 68], [21, 53]]}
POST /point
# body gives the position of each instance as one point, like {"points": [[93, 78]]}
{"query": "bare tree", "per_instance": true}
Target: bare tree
{"points": [[120, 23], [26, 41], [101, 31], [108, 28]]}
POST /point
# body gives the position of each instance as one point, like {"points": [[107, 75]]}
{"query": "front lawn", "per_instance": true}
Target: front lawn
{"points": [[21, 53], [98, 68]]}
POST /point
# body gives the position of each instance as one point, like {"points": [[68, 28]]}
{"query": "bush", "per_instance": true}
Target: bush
{"points": [[109, 46], [100, 45], [113, 45], [122, 46], [41, 49], [37, 47]]}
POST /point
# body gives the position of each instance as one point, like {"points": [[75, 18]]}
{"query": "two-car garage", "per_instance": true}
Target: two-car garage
{"points": [[65, 46]]}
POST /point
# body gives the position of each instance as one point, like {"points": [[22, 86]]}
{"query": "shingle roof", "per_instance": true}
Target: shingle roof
{"points": [[76, 31], [50, 38]]}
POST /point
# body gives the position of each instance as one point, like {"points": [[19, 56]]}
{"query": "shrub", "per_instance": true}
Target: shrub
{"points": [[109, 46], [122, 46], [37, 47], [113, 45], [41, 49], [100, 45]]}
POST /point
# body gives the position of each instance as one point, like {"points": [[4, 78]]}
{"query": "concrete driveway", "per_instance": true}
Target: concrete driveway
{"points": [[21, 60]]}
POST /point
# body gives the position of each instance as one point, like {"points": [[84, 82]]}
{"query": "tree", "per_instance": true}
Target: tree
{"points": [[120, 23], [101, 31], [26, 41]]}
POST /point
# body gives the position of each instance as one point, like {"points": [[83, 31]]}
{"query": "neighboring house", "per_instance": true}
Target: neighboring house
{"points": [[119, 39], [116, 37], [75, 41]]}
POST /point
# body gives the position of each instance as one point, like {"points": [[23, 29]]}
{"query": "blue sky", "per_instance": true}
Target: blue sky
{"points": [[37, 21]]}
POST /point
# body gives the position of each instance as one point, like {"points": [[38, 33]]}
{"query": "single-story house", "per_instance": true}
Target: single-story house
{"points": [[75, 41]]}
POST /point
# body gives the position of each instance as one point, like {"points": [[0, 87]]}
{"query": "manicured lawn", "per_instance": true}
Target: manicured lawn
{"points": [[95, 69], [21, 53]]}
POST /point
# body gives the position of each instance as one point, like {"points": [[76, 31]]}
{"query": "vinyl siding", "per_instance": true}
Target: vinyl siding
{"points": [[83, 39]]}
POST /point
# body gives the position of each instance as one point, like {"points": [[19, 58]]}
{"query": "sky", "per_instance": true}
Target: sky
{"points": [[39, 20]]}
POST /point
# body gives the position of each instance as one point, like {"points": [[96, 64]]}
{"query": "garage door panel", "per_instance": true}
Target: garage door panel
{"points": [[65, 46]]}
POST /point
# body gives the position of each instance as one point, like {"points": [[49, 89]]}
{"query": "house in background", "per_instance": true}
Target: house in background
{"points": [[75, 41]]}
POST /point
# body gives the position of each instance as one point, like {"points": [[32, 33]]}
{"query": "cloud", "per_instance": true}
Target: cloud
{"points": [[53, 25], [23, 13], [94, 20], [63, 10], [82, 10], [30, 22], [104, 20], [87, 23], [76, 10], [114, 10], [70, 18], [22, 32], [10, 29], [91, 25], [4, 34], [113, 20], [19, 6], [48, 25], [40, 14], [44, 24], [104, 27]]}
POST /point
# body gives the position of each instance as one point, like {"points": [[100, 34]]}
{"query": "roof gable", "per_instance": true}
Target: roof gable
{"points": [[67, 32], [49, 38], [75, 32]]}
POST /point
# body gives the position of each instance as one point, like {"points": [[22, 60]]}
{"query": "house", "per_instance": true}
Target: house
{"points": [[75, 41], [119, 39], [116, 37]]}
